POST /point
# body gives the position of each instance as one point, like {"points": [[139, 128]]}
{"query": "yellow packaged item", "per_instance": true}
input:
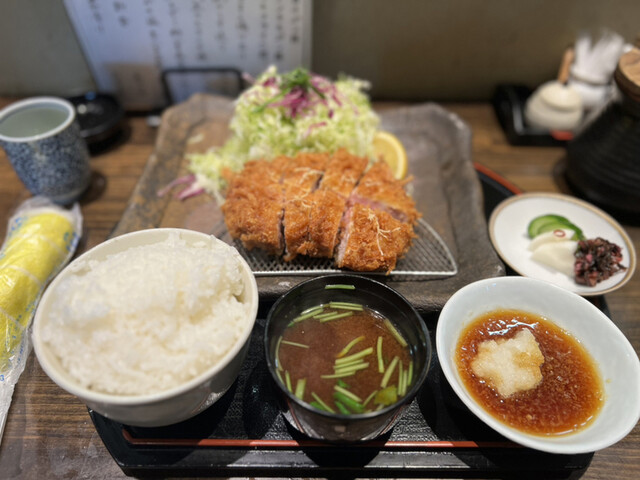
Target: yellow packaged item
{"points": [[54, 227], [12, 332], [19, 290], [40, 250], [41, 238]]}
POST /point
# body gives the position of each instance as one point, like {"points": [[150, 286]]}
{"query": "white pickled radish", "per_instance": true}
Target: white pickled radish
{"points": [[558, 255], [558, 235]]}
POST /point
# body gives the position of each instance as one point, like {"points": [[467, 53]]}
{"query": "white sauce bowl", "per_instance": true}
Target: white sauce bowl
{"points": [[613, 354]]}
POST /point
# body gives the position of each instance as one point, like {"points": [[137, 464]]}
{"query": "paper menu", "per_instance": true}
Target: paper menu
{"points": [[130, 43]]}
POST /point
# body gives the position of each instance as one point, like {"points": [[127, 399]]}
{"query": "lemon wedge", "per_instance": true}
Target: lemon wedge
{"points": [[388, 148]]}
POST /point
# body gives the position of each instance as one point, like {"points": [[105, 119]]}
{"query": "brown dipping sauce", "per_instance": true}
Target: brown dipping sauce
{"points": [[570, 394]]}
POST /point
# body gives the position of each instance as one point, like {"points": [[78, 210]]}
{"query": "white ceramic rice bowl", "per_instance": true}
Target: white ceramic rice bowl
{"points": [[607, 345], [170, 406]]}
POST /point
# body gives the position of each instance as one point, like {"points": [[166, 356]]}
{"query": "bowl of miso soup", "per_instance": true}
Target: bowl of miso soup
{"points": [[347, 354]]}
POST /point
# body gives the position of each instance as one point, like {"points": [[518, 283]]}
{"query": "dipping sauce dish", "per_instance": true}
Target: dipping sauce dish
{"points": [[611, 352]]}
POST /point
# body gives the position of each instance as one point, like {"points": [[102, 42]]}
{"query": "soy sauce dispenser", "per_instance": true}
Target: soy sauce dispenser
{"points": [[603, 160]]}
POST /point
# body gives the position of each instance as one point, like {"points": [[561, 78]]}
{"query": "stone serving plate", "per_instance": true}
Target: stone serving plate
{"points": [[445, 186]]}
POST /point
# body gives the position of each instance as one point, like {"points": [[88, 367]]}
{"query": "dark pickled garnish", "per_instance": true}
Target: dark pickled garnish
{"points": [[596, 260]]}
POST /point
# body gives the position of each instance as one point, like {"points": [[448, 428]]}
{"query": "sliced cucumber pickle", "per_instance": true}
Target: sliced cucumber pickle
{"points": [[534, 226], [549, 227], [550, 222]]}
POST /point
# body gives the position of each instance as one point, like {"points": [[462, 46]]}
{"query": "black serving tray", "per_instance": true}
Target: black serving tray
{"points": [[244, 434]]}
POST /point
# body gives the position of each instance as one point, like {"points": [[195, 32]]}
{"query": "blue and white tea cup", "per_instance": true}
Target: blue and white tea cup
{"points": [[42, 140]]}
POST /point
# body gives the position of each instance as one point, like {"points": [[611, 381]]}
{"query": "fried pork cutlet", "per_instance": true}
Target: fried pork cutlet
{"points": [[327, 206], [372, 240], [343, 172], [324, 223], [329, 202], [379, 189], [299, 181], [254, 205]]}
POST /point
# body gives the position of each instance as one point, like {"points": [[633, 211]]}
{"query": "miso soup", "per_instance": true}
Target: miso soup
{"points": [[344, 358]]}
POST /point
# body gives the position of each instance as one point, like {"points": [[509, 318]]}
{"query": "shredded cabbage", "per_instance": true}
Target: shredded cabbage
{"points": [[284, 114]]}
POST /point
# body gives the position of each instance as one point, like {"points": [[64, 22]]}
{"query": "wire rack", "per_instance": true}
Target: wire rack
{"points": [[428, 258]]}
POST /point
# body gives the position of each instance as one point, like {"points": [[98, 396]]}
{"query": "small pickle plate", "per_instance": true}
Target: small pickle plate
{"points": [[508, 232]]}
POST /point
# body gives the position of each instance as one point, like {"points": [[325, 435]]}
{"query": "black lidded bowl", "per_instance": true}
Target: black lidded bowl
{"points": [[333, 427]]}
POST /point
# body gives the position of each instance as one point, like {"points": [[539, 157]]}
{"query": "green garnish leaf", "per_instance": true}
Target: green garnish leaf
{"points": [[346, 306], [351, 367], [295, 344], [379, 353], [341, 374], [316, 405], [298, 78], [387, 375], [287, 379], [368, 399], [395, 332], [278, 364], [352, 405], [307, 314], [342, 384], [341, 408], [335, 316], [339, 286], [349, 346], [300, 385], [347, 393], [317, 398], [354, 356], [387, 396], [325, 315]]}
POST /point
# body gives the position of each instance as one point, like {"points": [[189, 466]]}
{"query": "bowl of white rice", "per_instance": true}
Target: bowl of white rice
{"points": [[149, 328]]}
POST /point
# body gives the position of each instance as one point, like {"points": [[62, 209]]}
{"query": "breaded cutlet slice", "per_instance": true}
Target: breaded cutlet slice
{"points": [[300, 179], [343, 172], [254, 205], [324, 223], [341, 175], [372, 240], [379, 189]]}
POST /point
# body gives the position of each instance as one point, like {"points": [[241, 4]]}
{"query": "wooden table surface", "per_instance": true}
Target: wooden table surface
{"points": [[49, 433]]}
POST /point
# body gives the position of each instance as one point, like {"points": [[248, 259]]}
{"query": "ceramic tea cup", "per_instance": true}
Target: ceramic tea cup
{"points": [[42, 140]]}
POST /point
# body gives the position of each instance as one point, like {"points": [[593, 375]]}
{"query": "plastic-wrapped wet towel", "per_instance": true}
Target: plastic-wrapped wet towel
{"points": [[41, 238]]}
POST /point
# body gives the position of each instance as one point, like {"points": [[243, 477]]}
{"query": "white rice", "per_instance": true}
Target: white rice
{"points": [[148, 319]]}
